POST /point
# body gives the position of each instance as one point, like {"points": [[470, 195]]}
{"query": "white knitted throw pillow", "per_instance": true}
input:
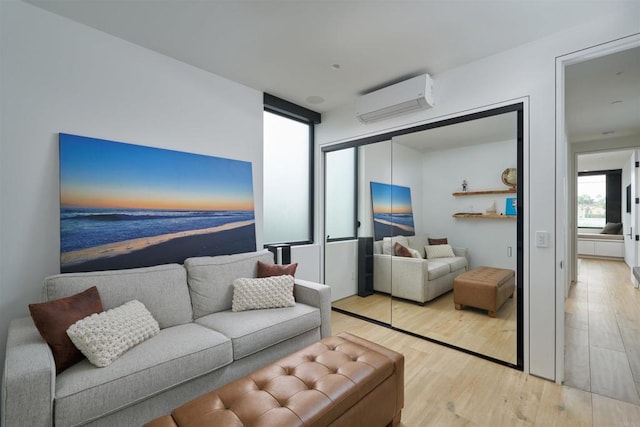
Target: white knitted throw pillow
{"points": [[267, 292], [439, 251], [103, 337]]}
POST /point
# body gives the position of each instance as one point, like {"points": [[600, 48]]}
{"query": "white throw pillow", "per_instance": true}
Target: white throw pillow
{"points": [[267, 292], [439, 251], [414, 253], [103, 337], [389, 242]]}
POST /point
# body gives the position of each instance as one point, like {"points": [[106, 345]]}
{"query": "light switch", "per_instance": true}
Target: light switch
{"points": [[542, 239]]}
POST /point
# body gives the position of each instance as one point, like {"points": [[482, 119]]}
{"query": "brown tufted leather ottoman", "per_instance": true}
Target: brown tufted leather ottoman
{"points": [[340, 381], [484, 287]]}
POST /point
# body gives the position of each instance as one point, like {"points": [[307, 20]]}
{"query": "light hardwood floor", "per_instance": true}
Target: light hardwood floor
{"points": [[470, 328], [445, 387], [602, 320]]}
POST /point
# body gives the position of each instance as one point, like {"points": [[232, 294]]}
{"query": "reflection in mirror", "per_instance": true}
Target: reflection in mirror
{"points": [[349, 264], [449, 169], [434, 206]]}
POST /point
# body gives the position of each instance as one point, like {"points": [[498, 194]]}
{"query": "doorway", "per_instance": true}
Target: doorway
{"points": [[589, 127]]}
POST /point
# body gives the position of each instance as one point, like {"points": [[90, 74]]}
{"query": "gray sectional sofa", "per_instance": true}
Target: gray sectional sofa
{"points": [[202, 344]]}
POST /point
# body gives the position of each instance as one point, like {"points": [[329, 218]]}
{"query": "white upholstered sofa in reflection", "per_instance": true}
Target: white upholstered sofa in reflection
{"points": [[415, 279]]}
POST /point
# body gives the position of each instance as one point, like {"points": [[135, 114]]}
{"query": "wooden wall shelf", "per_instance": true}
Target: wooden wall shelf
{"points": [[482, 192], [483, 216]]}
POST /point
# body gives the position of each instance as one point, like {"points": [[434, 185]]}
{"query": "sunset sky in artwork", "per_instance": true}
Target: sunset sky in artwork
{"points": [[106, 174], [388, 198]]}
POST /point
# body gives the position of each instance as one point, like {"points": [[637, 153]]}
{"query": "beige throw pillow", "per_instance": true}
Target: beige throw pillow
{"points": [[267, 292], [439, 251], [103, 337], [414, 253]]}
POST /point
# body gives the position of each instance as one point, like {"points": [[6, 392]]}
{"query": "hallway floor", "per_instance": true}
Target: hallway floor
{"points": [[602, 331]]}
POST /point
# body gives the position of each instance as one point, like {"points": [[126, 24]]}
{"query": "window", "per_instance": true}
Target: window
{"points": [[599, 198], [341, 199], [288, 172]]}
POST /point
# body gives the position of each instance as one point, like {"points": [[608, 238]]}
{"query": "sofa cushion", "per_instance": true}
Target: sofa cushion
{"points": [[162, 289], [261, 293], [438, 251], [402, 251], [437, 269], [389, 242], [255, 330], [53, 318], [103, 337], [269, 270], [438, 241], [211, 279], [175, 355], [455, 263]]}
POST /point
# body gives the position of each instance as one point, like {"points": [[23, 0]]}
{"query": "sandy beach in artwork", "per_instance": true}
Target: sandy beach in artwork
{"points": [[400, 226], [126, 247]]}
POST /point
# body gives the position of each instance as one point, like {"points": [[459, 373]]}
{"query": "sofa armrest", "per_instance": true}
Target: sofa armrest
{"points": [[316, 295], [460, 252], [28, 382]]}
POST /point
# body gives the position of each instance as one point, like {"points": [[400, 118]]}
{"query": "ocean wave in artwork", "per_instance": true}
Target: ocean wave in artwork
{"points": [[82, 228]]}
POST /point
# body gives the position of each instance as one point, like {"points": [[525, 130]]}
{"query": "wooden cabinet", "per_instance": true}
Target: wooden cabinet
{"points": [[600, 248], [365, 266]]}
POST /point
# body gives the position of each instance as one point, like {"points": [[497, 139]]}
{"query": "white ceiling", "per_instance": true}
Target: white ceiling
{"points": [[603, 161], [311, 50], [499, 128], [603, 97]]}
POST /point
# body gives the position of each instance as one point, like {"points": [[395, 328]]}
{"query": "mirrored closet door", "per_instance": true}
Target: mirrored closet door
{"points": [[407, 213]]}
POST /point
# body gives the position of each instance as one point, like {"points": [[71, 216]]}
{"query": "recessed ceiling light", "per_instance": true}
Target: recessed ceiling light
{"points": [[315, 99], [335, 66]]}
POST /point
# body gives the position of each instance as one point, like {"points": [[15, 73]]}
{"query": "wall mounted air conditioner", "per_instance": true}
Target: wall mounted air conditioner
{"points": [[409, 95]]}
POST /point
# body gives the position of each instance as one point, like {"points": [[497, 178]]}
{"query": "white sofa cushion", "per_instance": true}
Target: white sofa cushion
{"points": [[176, 355], [455, 263], [162, 289], [437, 269], [211, 279], [254, 330], [103, 337]]}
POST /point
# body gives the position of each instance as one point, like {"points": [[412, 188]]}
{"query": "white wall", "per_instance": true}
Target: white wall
{"points": [[60, 76], [526, 71], [481, 165]]}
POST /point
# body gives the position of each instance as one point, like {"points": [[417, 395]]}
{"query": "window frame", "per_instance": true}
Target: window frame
{"points": [[613, 202], [356, 222], [289, 110]]}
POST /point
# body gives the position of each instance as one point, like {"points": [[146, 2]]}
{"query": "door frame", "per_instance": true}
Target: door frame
{"points": [[565, 265]]}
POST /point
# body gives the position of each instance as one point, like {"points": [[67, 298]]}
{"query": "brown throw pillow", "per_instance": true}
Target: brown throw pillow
{"points": [[269, 270], [442, 241], [53, 318], [401, 250]]}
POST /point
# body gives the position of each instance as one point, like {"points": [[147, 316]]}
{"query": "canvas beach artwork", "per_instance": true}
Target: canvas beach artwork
{"points": [[127, 206], [392, 211]]}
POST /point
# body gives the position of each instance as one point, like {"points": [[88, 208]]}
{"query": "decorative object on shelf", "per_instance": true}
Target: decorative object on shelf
{"points": [[464, 185], [492, 208], [510, 177], [511, 206]]}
